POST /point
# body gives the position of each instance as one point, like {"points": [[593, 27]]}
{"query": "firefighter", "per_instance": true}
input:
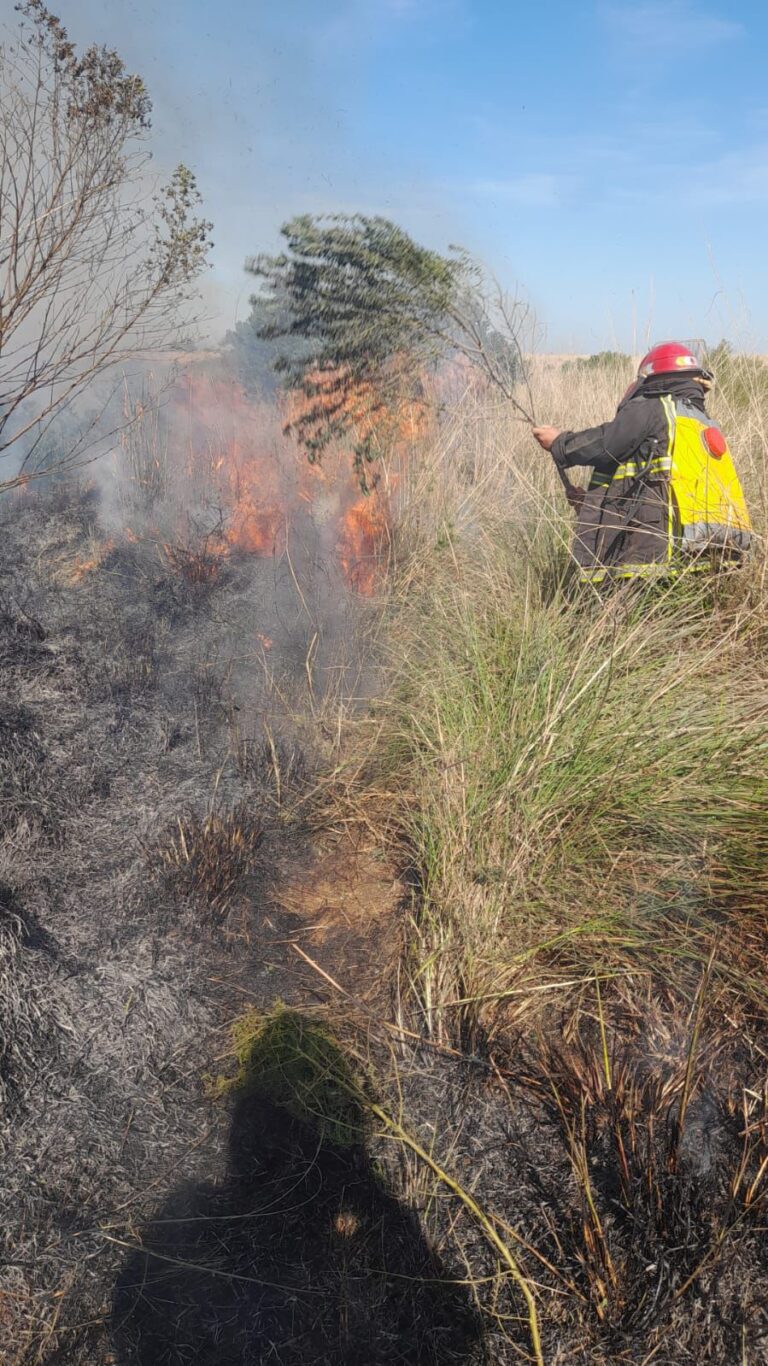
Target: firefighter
{"points": [[663, 493]]}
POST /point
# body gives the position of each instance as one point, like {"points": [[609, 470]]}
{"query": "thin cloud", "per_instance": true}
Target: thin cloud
{"points": [[656, 27], [533, 190], [359, 24]]}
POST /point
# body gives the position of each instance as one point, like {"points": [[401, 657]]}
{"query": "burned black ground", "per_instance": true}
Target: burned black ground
{"points": [[134, 767], [144, 1220]]}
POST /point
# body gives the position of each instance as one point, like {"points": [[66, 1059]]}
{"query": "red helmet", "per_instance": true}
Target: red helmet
{"points": [[669, 358]]}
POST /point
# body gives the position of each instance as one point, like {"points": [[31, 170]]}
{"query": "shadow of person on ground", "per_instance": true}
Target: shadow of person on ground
{"points": [[299, 1256]]}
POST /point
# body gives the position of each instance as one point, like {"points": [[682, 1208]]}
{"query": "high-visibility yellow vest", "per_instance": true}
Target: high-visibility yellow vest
{"points": [[708, 504], [704, 516]]}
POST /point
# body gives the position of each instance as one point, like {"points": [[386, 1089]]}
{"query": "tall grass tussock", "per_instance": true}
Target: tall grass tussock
{"points": [[584, 773], [577, 784]]}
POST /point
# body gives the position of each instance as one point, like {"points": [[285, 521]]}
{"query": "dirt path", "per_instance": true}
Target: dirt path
{"points": [[336, 905]]}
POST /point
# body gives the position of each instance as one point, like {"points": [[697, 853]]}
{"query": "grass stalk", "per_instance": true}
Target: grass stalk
{"points": [[477, 1213]]}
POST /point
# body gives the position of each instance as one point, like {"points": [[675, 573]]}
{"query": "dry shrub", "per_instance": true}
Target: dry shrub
{"points": [[207, 858], [196, 565]]}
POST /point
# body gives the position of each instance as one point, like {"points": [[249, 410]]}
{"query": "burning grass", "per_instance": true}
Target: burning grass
{"points": [[209, 474], [195, 565], [120, 689]]}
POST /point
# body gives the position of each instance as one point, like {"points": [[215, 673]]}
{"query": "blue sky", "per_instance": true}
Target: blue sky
{"points": [[611, 157]]}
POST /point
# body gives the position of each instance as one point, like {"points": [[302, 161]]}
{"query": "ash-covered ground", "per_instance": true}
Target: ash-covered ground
{"points": [[155, 730]]}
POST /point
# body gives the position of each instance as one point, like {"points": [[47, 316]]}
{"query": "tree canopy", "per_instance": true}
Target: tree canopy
{"points": [[375, 312]]}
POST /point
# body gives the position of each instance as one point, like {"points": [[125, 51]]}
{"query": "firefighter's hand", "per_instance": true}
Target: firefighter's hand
{"points": [[576, 497], [546, 436]]}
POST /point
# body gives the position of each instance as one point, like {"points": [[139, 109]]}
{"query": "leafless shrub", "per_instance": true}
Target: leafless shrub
{"points": [[207, 858], [93, 267]]}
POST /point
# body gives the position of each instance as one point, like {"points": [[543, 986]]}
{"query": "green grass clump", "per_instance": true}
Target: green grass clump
{"points": [[565, 757], [295, 1064]]}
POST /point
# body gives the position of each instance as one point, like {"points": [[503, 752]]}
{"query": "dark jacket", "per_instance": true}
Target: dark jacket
{"points": [[623, 524], [639, 417]]}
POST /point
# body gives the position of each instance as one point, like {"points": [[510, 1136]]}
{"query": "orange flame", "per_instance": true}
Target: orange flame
{"points": [[82, 568], [264, 485], [257, 530], [362, 542]]}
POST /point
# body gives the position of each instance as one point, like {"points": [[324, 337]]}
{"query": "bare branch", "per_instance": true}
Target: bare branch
{"points": [[94, 267]]}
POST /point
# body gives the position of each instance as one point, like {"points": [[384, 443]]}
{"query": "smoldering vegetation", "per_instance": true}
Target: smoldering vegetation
{"points": [[156, 727]]}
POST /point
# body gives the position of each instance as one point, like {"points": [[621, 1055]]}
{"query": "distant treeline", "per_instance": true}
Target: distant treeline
{"points": [[601, 360]]}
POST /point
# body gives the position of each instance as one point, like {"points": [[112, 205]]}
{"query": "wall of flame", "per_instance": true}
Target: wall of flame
{"points": [[267, 489]]}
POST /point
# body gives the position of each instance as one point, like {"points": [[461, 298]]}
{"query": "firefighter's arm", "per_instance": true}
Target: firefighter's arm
{"points": [[546, 437], [610, 443]]}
